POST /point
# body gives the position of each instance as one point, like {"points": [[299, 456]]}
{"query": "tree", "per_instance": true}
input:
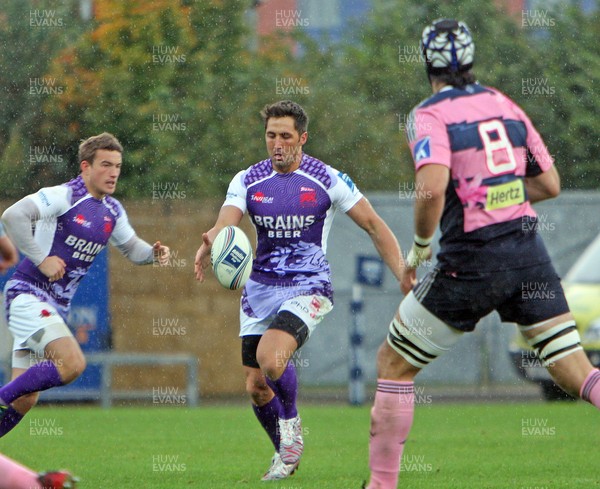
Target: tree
{"points": [[175, 82], [31, 33], [167, 80], [569, 104]]}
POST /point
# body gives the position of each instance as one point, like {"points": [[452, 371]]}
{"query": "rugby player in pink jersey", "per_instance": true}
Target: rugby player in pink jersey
{"points": [[71, 224], [291, 198], [480, 164]]}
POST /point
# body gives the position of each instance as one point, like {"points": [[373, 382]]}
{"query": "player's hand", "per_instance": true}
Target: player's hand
{"points": [[418, 254], [161, 254], [5, 265], [408, 280], [53, 267], [202, 260], [9, 256]]}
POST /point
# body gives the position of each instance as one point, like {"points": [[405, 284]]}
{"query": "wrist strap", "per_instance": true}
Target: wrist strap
{"points": [[417, 255], [422, 242]]}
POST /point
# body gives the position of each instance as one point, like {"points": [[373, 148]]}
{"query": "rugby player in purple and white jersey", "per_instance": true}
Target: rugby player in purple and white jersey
{"points": [[480, 164], [71, 224], [291, 198]]}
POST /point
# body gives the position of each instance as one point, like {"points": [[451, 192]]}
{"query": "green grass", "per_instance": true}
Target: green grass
{"points": [[451, 446]]}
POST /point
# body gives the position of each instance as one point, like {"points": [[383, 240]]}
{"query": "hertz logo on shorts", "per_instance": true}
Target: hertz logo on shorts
{"points": [[505, 195]]}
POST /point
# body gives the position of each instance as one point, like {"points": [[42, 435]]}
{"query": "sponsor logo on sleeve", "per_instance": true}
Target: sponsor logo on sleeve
{"points": [[422, 149], [347, 180], [44, 199]]}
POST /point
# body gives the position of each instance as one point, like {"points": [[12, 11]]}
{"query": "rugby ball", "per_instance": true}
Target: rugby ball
{"points": [[231, 257]]}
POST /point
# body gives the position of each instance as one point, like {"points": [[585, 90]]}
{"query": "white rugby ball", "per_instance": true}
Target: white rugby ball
{"points": [[231, 257]]}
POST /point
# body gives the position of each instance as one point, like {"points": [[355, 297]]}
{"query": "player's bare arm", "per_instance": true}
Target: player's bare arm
{"points": [[544, 186], [229, 215], [384, 240], [431, 182]]}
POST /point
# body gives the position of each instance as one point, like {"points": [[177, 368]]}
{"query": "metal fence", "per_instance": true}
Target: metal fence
{"points": [[568, 224]]}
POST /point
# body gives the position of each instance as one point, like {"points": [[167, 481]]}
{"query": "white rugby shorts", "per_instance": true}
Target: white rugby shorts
{"points": [[33, 324], [266, 301]]}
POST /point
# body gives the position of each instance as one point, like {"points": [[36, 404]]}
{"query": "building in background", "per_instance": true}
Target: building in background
{"points": [[333, 19]]}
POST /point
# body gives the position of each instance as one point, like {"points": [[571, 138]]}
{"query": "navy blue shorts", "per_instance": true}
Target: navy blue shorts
{"points": [[524, 296]]}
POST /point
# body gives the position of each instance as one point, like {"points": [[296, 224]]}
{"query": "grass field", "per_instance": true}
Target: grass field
{"points": [[520, 446]]}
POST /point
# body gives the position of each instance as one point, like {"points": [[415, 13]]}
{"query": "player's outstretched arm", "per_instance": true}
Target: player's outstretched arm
{"points": [[544, 186], [139, 252], [229, 215], [384, 240]]}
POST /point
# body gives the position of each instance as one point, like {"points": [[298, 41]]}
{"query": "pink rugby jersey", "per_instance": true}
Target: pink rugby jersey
{"points": [[490, 145]]}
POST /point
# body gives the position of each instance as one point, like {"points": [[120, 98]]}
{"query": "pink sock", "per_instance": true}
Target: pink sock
{"points": [[391, 419], [590, 389], [15, 476]]}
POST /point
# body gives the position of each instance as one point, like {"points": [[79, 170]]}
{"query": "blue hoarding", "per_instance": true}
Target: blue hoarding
{"points": [[89, 321]]}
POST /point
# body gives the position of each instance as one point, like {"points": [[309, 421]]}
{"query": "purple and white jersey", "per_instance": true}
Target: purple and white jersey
{"points": [[74, 226], [292, 213]]}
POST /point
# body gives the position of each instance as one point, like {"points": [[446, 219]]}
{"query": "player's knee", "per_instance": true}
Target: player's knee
{"points": [[72, 367], [78, 366], [556, 342], [271, 368], [272, 363], [261, 398], [570, 373], [391, 365], [258, 390], [24, 403]]}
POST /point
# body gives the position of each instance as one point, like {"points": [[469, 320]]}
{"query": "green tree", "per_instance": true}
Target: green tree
{"points": [[569, 104], [385, 68], [167, 80], [564, 58], [31, 33], [178, 86]]}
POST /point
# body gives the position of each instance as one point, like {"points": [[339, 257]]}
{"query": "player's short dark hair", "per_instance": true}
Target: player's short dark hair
{"points": [[88, 148], [286, 108], [456, 79]]}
